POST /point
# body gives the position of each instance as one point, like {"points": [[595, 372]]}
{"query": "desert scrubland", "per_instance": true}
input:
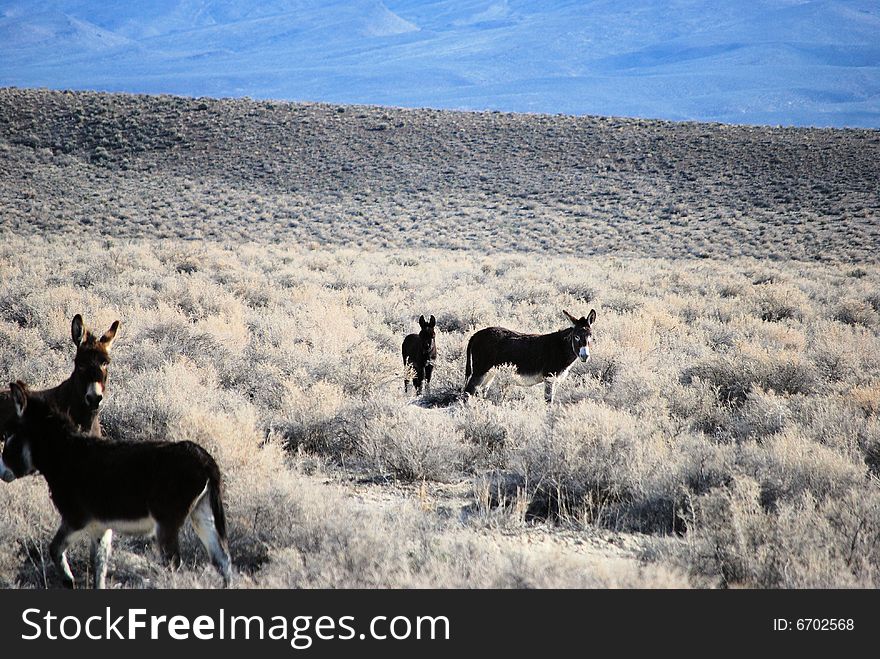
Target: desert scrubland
{"points": [[266, 260]]}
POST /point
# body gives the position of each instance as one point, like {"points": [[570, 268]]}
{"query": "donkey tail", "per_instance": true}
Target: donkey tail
{"points": [[215, 493], [468, 363], [219, 549], [219, 555], [210, 525]]}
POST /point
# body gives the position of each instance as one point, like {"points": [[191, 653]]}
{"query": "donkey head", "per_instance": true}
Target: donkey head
{"points": [[16, 460], [90, 364], [581, 334], [427, 334]]}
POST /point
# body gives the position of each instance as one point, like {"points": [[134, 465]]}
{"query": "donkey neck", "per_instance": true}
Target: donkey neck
{"points": [[562, 350], [59, 449], [563, 337]]}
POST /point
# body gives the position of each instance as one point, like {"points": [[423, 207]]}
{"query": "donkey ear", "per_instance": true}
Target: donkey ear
{"points": [[422, 321], [573, 320], [110, 334], [77, 330], [591, 318], [19, 397], [433, 321]]}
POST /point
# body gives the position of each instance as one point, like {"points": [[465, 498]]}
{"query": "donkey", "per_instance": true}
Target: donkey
{"points": [[80, 395], [420, 352], [536, 357], [131, 487]]}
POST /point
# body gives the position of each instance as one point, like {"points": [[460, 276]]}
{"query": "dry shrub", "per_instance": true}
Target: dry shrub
{"points": [[574, 286], [603, 465], [698, 406], [857, 312], [787, 465], [762, 414], [399, 548], [29, 522], [636, 388], [845, 354], [494, 432], [484, 429], [313, 419], [410, 442], [735, 375], [154, 404], [729, 376], [805, 543], [776, 302], [867, 398], [835, 422]]}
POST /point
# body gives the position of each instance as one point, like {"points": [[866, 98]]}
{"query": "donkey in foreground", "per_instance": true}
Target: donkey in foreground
{"points": [[420, 352], [132, 487], [537, 357], [80, 395]]}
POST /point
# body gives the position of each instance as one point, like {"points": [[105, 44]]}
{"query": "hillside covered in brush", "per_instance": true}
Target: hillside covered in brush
{"points": [[144, 166]]}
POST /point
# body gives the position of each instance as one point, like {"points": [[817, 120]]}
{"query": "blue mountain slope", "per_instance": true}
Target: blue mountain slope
{"points": [[764, 61]]}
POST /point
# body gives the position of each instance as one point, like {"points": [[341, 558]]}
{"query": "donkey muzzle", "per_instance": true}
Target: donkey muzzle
{"points": [[94, 395], [584, 354]]}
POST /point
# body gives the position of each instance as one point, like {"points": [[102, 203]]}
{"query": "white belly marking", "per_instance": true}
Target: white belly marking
{"points": [[143, 526]]}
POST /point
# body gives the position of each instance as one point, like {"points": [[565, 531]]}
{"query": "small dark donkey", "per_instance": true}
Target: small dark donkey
{"points": [[80, 395], [420, 352], [132, 487]]}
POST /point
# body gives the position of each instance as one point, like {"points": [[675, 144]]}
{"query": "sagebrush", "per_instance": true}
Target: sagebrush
{"points": [[728, 418]]}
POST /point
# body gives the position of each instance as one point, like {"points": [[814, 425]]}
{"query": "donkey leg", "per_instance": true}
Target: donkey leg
{"points": [[474, 383], [101, 547], [418, 380], [58, 552], [202, 519], [429, 368], [549, 389], [169, 543]]}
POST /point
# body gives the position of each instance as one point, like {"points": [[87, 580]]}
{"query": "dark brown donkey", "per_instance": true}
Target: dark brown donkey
{"points": [[80, 395], [131, 487], [420, 352], [536, 357]]}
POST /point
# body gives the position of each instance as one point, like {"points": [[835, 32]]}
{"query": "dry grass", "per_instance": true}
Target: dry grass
{"points": [[729, 413]]}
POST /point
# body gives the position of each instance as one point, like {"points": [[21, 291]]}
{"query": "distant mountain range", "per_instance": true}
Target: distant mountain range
{"points": [[788, 62]]}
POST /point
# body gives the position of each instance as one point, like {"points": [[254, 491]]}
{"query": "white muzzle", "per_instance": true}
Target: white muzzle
{"points": [[584, 353], [94, 395]]}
